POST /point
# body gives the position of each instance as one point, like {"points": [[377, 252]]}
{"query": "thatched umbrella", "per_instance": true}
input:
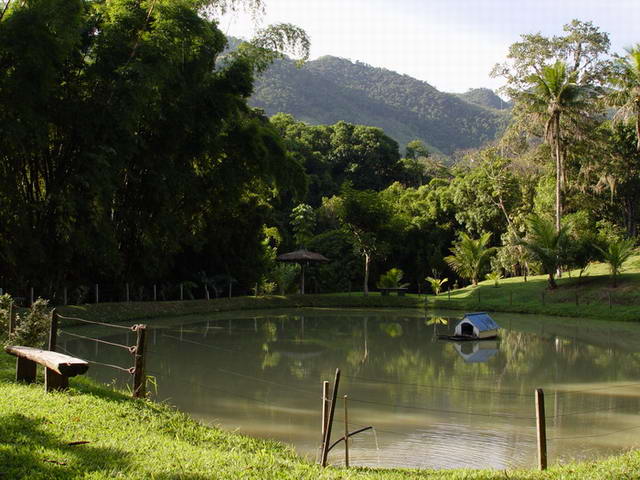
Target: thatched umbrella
{"points": [[304, 258]]}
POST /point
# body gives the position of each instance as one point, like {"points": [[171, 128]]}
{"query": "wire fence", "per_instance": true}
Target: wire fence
{"points": [[121, 292], [137, 351], [569, 298]]}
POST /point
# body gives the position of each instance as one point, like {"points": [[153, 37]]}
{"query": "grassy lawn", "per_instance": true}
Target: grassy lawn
{"points": [[590, 296]]}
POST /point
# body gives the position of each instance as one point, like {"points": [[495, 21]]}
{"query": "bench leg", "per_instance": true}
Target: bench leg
{"points": [[54, 381], [25, 370]]}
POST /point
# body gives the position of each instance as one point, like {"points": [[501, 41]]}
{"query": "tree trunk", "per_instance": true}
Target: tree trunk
{"points": [[558, 173], [367, 258], [552, 282]]}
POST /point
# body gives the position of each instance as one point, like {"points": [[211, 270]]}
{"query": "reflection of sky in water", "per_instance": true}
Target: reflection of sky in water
{"points": [[433, 403]]}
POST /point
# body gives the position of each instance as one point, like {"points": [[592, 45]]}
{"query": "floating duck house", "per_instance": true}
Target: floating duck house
{"points": [[477, 325], [477, 352]]}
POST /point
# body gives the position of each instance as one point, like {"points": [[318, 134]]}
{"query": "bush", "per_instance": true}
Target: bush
{"points": [[392, 279], [32, 328]]}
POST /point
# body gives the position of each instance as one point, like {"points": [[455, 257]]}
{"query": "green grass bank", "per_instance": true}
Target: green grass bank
{"points": [[591, 296]]}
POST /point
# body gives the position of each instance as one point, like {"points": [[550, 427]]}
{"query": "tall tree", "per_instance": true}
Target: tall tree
{"points": [[625, 79], [552, 77], [553, 94]]}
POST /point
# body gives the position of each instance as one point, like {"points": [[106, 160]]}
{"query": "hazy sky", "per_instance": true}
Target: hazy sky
{"points": [[452, 44]]}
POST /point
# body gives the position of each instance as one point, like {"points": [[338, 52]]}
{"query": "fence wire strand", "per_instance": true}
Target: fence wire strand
{"points": [[130, 371], [126, 347], [94, 322], [493, 392]]}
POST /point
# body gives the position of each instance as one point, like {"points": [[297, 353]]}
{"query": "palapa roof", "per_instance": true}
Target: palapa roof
{"points": [[302, 255]]}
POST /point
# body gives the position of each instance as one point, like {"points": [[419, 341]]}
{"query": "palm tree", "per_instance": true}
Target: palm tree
{"points": [[470, 256], [617, 252], [553, 94], [547, 245], [626, 93]]}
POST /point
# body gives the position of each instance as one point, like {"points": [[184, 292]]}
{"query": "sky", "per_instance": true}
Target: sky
{"points": [[451, 44]]}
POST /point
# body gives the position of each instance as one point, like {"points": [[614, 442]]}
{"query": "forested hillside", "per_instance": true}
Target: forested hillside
{"points": [[330, 89], [485, 98]]}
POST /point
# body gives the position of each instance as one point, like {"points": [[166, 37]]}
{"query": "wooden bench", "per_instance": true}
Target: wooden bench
{"points": [[399, 291], [58, 366]]}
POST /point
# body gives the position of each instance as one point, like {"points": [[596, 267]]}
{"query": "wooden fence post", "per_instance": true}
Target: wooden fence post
{"points": [[97, 294], [12, 318], [541, 430], [181, 291], [126, 292], [65, 296], [139, 377], [346, 434], [155, 293], [325, 407], [53, 330], [332, 410]]}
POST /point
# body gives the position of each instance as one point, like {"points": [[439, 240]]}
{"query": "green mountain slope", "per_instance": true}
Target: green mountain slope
{"points": [[331, 89], [485, 98]]}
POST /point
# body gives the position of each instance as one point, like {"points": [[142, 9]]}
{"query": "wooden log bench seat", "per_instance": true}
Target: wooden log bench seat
{"points": [[399, 291], [58, 366]]}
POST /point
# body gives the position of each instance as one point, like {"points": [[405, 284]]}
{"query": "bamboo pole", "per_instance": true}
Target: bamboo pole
{"points": [[12, 318], [53, 330], [346, 434], [541, 430], [325, 407], [332, 410], [139, 378]]}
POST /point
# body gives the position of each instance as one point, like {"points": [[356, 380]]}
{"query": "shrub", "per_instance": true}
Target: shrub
{"points": [[32, 328], [392, 279], [436, 284]]}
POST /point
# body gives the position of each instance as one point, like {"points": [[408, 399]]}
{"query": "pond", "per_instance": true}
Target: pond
{"points": [[433, 403]]}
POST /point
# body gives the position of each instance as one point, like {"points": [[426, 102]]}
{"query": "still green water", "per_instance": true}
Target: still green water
{"points": [[433, 403]]}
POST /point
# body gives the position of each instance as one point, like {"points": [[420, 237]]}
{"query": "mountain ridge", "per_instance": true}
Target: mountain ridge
{"points": [[329, 89]]}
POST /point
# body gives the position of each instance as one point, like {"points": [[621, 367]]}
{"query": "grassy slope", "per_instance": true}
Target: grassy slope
{"points": [[592, 292]]}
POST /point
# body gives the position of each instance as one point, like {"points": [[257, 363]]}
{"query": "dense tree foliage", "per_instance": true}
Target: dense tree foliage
{"points": [[126, 144]]}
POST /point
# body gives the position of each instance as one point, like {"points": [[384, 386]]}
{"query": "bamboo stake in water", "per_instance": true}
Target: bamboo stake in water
{"points": [[346, 434], [327, 435], [541, 430], [325, 407]]}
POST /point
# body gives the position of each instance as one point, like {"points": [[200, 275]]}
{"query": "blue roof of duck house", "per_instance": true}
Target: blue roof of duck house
{"points": [[481, 320]]}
